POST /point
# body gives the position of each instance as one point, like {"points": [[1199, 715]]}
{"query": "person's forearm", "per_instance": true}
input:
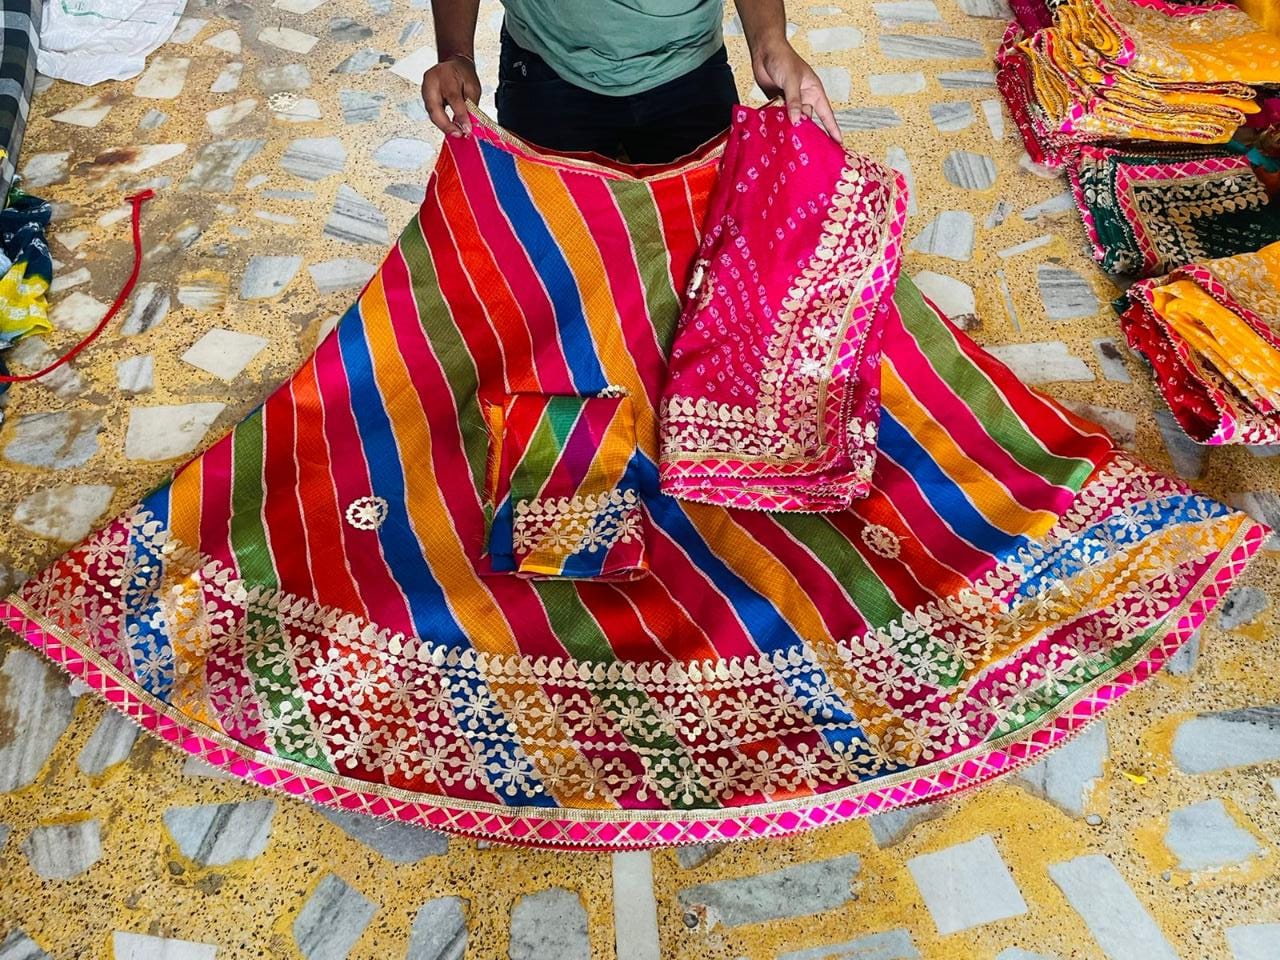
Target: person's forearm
{"points": [[455, 22], [764, 22]]}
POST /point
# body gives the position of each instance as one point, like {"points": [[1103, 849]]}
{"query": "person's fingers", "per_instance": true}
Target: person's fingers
{"points": [[827, 117], [807, 110], [433, 100], [791, 93], [458, 106]]}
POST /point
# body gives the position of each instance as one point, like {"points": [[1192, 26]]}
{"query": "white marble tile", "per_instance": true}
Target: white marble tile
{"points": [[286, 38], [152, 119], [225, 353], [64, 850], [355, 220], [77, 312], [298, 6], [188, 29], [302, 110], [166, 432], [549, 923], [66, 279], [897, 158], [1045, 362], [1025, 247], [895, 84], [894, 12], [314, 158], [341, 274], [110, 743], [163, 78], [635, 909], [953, 297], [411, 67], [136, 374], [439, 930], [64, 514], [87, 113], [227, 41], [951, 117], [835, 39], [966, 885], [266, 276], [150, 306], [224, 118], [37, 707], [45, 169], [403, 153], [993, 110], [837, 82], [332, 920], [289, 77], [229, 79], [969, 170], [949, 234], [137, 946], [72, 239], [203, 290]]}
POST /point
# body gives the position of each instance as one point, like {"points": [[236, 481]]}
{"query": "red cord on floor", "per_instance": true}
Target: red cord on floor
{"points": [[138, 199]]}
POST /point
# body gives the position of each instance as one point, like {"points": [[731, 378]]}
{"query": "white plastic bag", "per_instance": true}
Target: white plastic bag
{"points": [[88, 41]]}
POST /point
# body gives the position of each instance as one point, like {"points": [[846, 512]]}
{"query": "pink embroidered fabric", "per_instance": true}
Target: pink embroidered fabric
{"points": [[773, 395]]}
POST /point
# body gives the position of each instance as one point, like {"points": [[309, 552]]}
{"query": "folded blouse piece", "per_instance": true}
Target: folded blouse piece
{"points": [[1209, 331], [564, 492], [773, 391], [1134, 69], [1147, 213]]}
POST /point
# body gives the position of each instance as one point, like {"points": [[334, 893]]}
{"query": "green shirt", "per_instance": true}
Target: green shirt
{"points": [[618, 47]]}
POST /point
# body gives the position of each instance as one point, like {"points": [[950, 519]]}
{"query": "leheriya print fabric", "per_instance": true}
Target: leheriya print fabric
{"points": [[1146, 213], [1208, 331], [307, 604], [773, 388]]}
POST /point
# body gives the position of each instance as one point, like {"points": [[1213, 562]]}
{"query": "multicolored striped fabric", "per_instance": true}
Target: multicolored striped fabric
{"points": [[567, 501], [304, 604]]}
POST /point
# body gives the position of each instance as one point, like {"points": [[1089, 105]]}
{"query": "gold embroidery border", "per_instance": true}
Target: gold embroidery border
{"points": [[604, 815]]}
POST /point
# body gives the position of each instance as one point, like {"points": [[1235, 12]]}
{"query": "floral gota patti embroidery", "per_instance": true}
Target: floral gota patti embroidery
{"points": [[772, 397]]}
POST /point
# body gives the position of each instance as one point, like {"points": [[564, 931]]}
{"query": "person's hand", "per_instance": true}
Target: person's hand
{"points": [[451, 83], [779, 70]]}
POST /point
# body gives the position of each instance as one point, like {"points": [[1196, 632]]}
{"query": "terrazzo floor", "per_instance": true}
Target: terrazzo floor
{"points": [[287, 145]]}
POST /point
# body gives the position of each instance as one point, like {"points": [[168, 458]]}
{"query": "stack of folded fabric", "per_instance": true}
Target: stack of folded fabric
{"points": [[1147, 212], [1209, 331], [1132, 69]]}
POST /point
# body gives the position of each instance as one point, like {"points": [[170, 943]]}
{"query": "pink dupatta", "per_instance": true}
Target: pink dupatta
{"points": [[773, 395]]}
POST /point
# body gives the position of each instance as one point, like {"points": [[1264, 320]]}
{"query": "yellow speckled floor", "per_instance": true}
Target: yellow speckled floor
{"points": [[86, 855]]}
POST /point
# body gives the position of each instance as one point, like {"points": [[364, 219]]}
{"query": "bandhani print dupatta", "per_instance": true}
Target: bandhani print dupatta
{"points": [[774, 385], [309, 604]]}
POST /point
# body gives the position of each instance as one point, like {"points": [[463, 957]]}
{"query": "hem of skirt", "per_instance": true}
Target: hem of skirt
{"points": [[637, 829]]}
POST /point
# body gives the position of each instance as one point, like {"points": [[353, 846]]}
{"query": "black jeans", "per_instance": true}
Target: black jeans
{"points": [[656, 126]]}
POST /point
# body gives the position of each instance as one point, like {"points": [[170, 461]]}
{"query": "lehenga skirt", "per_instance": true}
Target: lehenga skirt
{"points": [[312, 603]]}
